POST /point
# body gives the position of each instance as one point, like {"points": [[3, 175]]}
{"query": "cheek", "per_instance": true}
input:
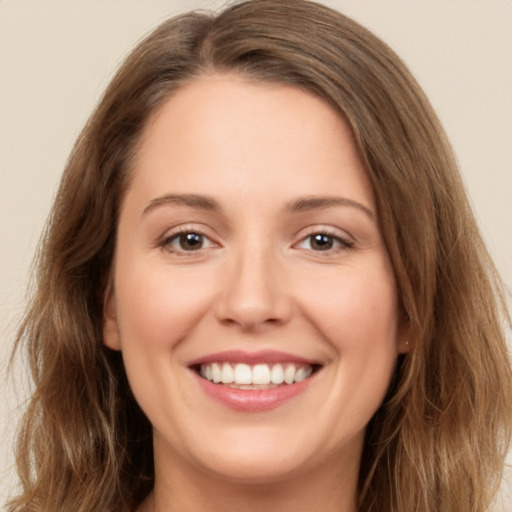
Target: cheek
{"points": [[158, 305], [357, 310], [357, 316], [157, 308]]}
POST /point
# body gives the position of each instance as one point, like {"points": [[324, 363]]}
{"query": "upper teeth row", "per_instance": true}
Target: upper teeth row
{"points": [[242, 373]]}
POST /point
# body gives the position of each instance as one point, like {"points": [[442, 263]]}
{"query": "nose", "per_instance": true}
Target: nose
{"points": [[254, 292]]}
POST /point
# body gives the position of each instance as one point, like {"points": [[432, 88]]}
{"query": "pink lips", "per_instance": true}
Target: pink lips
{"points": [[252, 400], [264, 356]]}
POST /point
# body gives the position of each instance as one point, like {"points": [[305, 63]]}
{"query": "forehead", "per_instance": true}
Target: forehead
{"points": [[248, 136]]}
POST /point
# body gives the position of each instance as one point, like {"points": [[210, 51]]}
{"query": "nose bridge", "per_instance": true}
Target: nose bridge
{"points": [[254, 290]]}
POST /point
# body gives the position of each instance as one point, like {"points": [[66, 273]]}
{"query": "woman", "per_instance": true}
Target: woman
{"points": [[262, 286]]}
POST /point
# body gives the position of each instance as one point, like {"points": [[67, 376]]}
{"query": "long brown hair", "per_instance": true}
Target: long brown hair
{"points": [[439, 440]]}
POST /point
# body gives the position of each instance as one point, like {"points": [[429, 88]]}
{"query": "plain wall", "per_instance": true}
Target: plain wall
{"points": [[56, 57]]}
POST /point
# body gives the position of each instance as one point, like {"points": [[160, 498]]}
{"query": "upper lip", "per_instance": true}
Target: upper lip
{"points": [[259, 357]]}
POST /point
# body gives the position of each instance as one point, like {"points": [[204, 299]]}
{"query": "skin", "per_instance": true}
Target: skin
{"points": [[257, 282]]}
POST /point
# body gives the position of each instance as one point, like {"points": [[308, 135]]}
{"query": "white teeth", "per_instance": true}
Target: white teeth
{"points": [[261, 374], [216, 373], [300, 375], [277, 374], [289, 374], [242, 374], [227, 374]]}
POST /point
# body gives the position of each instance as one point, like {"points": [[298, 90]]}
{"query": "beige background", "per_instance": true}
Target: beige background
{"points": [[57, 56]]}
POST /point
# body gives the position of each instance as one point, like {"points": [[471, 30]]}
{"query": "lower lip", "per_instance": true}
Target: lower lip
{"points": [[253, 400]]}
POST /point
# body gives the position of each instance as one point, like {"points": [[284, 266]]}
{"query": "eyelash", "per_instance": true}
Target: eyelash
{"points": [[182, 232], [338, 243], [341, 243]]}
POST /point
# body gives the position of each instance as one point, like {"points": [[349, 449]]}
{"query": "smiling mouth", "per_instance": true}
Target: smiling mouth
{"points": [[255, 376]]}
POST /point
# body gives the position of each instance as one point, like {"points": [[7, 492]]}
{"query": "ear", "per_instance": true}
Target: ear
{"points": [[111, 337], [404, 346]]}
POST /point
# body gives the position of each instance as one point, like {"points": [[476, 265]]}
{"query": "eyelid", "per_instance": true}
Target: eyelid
{"points": [[345, 240], [173, 234]]}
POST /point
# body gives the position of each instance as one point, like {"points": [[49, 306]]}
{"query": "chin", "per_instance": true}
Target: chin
{"points": [[258, 469], [263, 455]]}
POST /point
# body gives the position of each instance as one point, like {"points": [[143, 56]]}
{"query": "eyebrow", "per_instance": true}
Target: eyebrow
{"points": [[195, 201], [302, 204], [319, 202]]}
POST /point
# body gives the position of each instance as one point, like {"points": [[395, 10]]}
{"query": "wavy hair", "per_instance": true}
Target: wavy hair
{"points": [[438, 442]]}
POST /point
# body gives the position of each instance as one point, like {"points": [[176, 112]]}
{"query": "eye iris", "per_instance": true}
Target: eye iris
{"points": [[191, 241], [321, 242]]}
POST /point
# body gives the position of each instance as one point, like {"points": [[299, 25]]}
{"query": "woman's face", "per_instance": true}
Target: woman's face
{"points": [[249, 249]]}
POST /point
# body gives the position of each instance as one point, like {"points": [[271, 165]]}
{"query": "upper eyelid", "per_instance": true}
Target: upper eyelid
{"points": [[323, 229], [189, 227], [178, 232], [345, 242]]}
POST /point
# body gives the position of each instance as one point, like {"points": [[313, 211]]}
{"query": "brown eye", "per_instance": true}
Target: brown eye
{"points": [[324, 242], [321, 242], [190, 241], [187, 241]]}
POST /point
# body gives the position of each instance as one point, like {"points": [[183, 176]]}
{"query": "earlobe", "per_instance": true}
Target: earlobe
{"points": [[405, 341], [111, 336], [404, 346]]}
